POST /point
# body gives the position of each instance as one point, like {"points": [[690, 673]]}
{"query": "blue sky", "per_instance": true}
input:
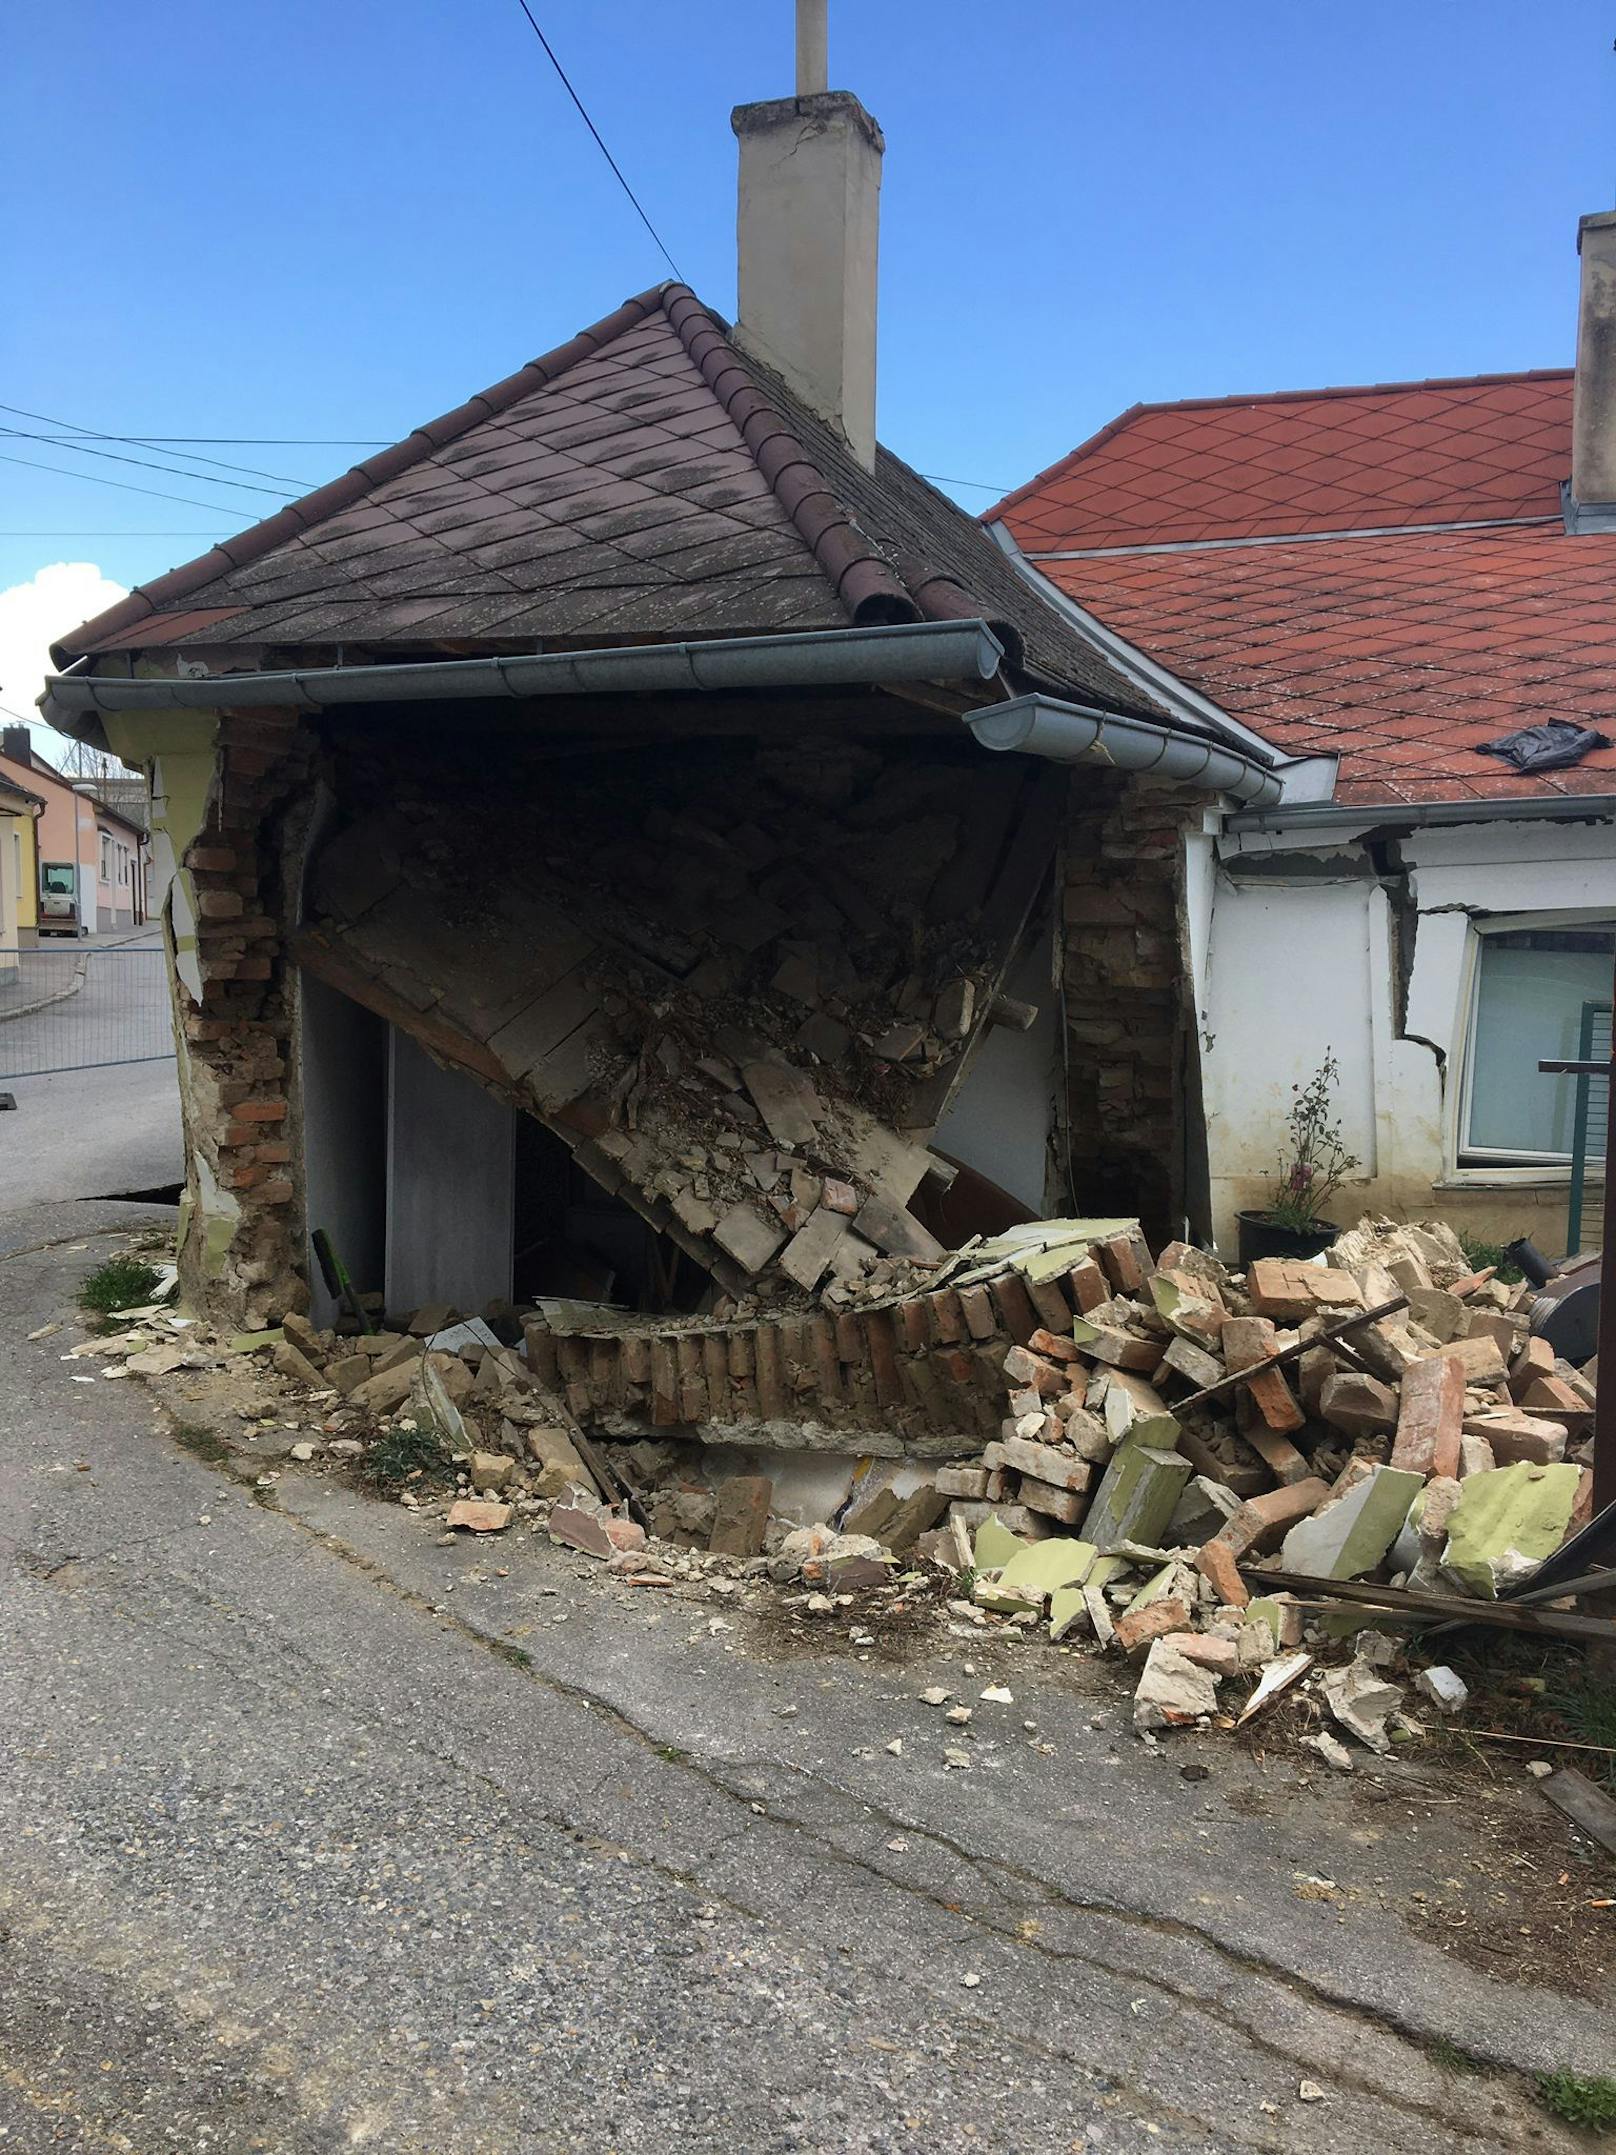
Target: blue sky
{"points": [[338, 217]]}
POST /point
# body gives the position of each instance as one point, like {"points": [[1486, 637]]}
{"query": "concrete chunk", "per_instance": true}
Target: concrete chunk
{"points": [[1136, 1496], [1345, 1539], [1358, 1404], [1172, 1692]]}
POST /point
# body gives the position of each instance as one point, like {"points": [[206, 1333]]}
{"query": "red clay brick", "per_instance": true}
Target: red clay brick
{"points": [[1430, 1416]]}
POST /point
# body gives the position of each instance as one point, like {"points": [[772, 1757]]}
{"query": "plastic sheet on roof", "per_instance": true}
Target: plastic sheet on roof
{"points": [[1553, 746]]}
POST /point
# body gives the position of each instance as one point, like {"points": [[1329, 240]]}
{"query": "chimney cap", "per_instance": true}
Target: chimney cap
{"points": [[824, 105], [1595, 221]]}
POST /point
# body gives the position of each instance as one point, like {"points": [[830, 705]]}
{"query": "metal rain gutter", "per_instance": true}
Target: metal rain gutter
{"points": [[1073, 733], [1374, 815], [859, 657]]}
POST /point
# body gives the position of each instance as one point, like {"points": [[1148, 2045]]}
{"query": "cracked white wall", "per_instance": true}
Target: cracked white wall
{"points": [[1302, 957]]}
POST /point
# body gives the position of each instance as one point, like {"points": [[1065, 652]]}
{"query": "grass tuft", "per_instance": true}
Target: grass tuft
{"points": [[517, 1656], [1481, 1254], [202, 1442], [1582, 2099], [121, 1283], [404, 1454], [1450, 2058]]}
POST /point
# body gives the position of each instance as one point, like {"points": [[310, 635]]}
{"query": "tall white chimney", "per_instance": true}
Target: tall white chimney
{"points": [[809, 215], [1593, 402]]}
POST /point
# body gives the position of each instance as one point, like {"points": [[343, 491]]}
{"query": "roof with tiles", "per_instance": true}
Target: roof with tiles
{"points": [[1378, 574], [645, 480]]}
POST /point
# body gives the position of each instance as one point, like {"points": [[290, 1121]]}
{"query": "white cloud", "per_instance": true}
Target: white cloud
{"points": [[32, 615]]}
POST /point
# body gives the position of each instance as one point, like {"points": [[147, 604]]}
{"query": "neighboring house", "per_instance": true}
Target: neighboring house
{"points": [[19, 810], [120, 888], [1374, 585], [69, 850], [592, 825]]}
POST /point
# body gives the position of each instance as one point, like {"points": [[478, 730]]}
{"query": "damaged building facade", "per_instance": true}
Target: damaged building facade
{"points": [[636, 843]]}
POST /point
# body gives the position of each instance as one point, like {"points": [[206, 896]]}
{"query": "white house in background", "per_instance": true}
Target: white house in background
{"points": [[1373, 585]]}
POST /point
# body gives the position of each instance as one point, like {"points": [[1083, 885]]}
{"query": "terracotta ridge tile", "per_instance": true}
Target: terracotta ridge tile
{"points": [[352, 486], [863, 580]]}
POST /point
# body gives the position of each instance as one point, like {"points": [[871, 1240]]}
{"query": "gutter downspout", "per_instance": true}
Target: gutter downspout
{"points": [[1074, 733], [858, 657]]}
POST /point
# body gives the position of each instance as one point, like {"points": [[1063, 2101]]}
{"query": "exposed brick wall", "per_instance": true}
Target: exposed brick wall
{"points": [[242, 1236], [1133, 1094]]}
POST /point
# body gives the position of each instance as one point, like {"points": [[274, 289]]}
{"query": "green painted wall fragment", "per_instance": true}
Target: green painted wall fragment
{"points": [[1043, 1566], [994, 1545], [1136, 1496], [1506, 1520]]}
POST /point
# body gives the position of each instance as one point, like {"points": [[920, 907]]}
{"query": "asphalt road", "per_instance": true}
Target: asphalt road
{"points": [[107, 1124], [296, 1860]]}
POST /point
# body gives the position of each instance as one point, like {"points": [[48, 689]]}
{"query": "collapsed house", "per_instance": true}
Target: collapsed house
{"points": [[636, 843]]}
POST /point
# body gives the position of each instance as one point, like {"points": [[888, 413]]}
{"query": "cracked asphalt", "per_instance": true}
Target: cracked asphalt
{"points": [[294, 1861]]}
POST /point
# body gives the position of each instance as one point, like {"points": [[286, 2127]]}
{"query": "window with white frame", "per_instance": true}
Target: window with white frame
{"points": [[1537, 990], [106, 858]]}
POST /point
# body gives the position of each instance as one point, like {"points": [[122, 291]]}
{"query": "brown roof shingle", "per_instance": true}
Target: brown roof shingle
{"points": [[647, 479]]}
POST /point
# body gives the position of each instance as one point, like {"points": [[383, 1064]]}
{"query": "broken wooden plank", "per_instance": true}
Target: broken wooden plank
{"points": [[1448, 1610], [1585, 1805]]}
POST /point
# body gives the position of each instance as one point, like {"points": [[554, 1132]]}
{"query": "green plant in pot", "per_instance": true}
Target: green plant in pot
{"points": [[1313, 1166]]}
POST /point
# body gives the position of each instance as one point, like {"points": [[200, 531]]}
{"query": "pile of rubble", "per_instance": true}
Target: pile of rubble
{"points": [[1196, 1470], [1382, 1414]]}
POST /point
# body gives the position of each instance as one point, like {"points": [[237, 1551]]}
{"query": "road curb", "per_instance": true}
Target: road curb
{"points": [[44, 1002], [83, 955]]}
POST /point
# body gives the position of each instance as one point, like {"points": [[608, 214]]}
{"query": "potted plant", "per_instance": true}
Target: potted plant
{"points": [[1313, 1166]]}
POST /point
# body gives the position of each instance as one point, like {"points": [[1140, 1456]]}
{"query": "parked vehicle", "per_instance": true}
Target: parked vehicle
{"points": [[59, 899]]}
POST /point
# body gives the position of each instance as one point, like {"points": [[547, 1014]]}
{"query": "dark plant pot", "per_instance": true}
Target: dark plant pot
{"points": [[1261, 1236]]}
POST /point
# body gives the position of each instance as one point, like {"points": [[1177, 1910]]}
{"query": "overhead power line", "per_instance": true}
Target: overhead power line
{"points": [[114, 534], [79, 439], [599, 143], [145, 463], [94, 478]]}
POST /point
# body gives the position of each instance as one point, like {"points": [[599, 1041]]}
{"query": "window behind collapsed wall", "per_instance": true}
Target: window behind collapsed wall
{"points": [[1531, 989]]}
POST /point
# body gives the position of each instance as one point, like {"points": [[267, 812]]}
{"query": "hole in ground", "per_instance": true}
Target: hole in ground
{"points": [[168, 1193]]}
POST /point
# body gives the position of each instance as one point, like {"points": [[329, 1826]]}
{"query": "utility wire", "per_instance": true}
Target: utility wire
{"points": [[81, 447], [599, 143], [938, 478], [93, 434], [114, 534], [65, 471]]}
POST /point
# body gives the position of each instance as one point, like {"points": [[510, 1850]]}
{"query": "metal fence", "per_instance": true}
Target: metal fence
{"points": [[1590, 1114], [68, 1007]]}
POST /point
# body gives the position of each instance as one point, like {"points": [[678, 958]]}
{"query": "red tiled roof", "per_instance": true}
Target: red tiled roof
{"points": [[1397, 648], [646, 479], [1441, 452], [1400, 655]]}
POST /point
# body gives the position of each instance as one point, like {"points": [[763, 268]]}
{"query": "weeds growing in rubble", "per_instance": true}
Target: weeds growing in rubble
{"points": [[1584, 2099], [1481, 1254], [405, 1453], [121, 1283], [1588, 1706]]}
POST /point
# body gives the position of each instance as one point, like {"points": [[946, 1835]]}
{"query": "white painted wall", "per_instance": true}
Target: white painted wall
{"points": [[1301, 962]]}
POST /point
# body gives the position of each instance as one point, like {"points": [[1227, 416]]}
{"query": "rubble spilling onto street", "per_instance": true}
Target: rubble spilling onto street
{"points": [[1235, 1483]]}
